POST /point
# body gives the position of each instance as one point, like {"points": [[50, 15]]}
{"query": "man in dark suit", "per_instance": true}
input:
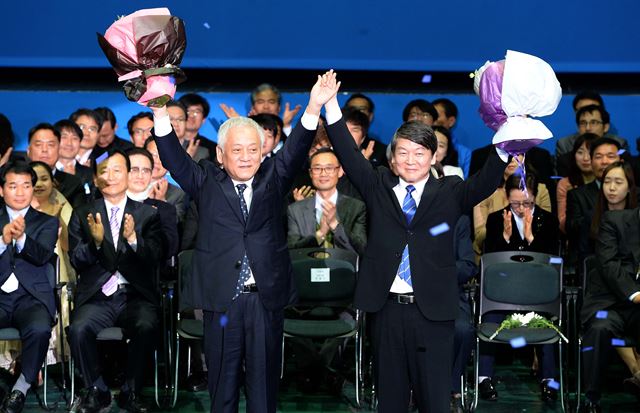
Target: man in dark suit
{"points": [[519, 227], [70, 137], [197, 111], [26, 276], [407, 276], [329, 218], [107, 139], [115, 246], [242, 275], [581, 201], [614, 290], [44, 144]]}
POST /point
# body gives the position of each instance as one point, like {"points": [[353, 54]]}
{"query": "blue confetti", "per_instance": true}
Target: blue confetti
{"points": [[585, 349], [426, 78], [87, 189], [503, 274], [224, 320], [439, 229], [621, 151], [206, 25], [556, 177], [518, 342], [618, 342], [554, 384], [102, 157], [602, 314], [555, 260]]}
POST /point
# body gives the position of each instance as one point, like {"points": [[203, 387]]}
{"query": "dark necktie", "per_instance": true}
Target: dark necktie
{"points": [[409, 210], [245, 271]]}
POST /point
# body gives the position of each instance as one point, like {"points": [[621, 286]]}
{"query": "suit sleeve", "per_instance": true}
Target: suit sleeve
{"points": [[289, 159], [38, 251], [481, 185], [83, 252], [358, 169], [614, 271], [465, 258], [189, 174], [147, 253], [295, 236], [575, 217]]}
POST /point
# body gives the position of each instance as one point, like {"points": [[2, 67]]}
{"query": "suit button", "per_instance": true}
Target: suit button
{"points": [[520, 247], [245, 235], [409, 233]]}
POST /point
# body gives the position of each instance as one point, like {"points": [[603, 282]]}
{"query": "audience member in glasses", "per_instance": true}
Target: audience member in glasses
{"points": [[197, 109], [89, 123], [178, 117], [139, 127]]}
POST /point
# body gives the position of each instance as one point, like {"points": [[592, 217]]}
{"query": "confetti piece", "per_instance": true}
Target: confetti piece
{"points": [[554, 384], [102, 157], [224, 320], [584, 350], [206, 25], [426, 79], [87, 189], [556, 177], [555, 260], [503, 274], [617, 342], [621, 151], [439, 229], [602, 314], [518, 342]]}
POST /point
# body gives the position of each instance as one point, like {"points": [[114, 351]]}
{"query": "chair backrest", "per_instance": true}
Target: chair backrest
{"points": [[520, 281], [324, 276], [185, 259]]}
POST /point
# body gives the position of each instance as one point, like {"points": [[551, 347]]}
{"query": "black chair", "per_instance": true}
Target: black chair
{"points": [[189, 329], [325, 280], [517, 281]]}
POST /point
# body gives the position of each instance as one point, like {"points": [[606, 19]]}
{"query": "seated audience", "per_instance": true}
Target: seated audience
{"points": [[27, 298], [178, 117], [139, 127], [70, 141], [329, 219], [448, 117], [364, 104], [446, 154], [358, 125], [115, 244], [107, 138], [197, 114], [89, 123], [519, 227]]}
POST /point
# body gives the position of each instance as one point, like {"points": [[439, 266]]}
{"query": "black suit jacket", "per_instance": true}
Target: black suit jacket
{"points": [[544, 227], [618, 252], [71, 187], [33, 265], [169, 222], [465, 257], [94, 265], [581, 204], [433, 266], [223, 237], [117, 143]]}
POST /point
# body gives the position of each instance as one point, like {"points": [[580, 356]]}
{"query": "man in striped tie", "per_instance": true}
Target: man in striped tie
{"points": [[115, 246], [407, 278]]}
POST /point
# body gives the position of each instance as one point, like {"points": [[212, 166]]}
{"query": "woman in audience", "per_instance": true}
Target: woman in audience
{"points": [[618, 191], [580, 173], [498, 201], [446, 154], [47, 199]]}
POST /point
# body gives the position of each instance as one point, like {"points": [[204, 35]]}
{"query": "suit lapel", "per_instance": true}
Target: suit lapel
{"points": [[309, 216], [4, 216], [230, 194], [428, 197], [390, 181], [102, 209]]}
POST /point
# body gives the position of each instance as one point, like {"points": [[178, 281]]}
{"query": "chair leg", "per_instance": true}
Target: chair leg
{"points": [[358, 362], [155, 370], [45, 399], [282, 359], [579, 376], [73, 382], [476, 369], [561, 372], [176, 367]]}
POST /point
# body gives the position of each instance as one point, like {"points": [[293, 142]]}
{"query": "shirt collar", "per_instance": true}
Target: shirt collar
{"points": [[13, 213], [248, 183], [120, 205], [418, 185], [333, 198]]}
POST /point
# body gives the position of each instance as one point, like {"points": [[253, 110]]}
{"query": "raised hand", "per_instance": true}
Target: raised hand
{"points": [[289, 114], [323, 91], [193, 146], [129, 229], [18, 225], [160, 190], [229, 111], [507, 228], [303, 192], [368, 151], [95, 228], [329, 213], [528, 227]]}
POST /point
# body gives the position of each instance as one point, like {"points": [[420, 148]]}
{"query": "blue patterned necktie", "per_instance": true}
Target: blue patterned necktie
{"points": [[245, 271], [409, 210]]}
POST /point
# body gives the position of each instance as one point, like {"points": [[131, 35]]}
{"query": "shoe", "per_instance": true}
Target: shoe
{"points": [[197, 381], [592, 407], [455, 405], [13, 402], [488, 390], [632, 385], [131, 402], [94, 400], [548, 393]]}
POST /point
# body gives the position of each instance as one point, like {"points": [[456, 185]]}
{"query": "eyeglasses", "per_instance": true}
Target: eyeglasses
{"points": [[179, 120], [329, 170], [140, 131], [526, 204], [92, 129], [592, 122], [194, 112], [143, 171]]}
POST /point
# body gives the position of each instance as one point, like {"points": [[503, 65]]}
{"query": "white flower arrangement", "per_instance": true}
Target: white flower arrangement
{"points": [[529, 320]]}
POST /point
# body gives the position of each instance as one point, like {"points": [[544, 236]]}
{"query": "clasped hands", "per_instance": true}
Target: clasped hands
{"points": [[96, 228], [13, 230]]}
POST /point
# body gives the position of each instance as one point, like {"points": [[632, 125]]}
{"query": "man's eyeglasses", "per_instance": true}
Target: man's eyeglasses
{"points": [[526, 204], [592, 122], [143, 171], [329, 170], [194, 112], [92, 129], [179, 120]]}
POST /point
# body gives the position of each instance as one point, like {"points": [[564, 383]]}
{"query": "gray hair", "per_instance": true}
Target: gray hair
{"points": [[239, 121], [261, 88]]}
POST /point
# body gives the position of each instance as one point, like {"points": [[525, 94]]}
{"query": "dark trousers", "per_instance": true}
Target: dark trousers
{"points": [[411, 353], [243, 346], [546, 353], [138, 319], [596, 343], [463, 340], [25, 313]]}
